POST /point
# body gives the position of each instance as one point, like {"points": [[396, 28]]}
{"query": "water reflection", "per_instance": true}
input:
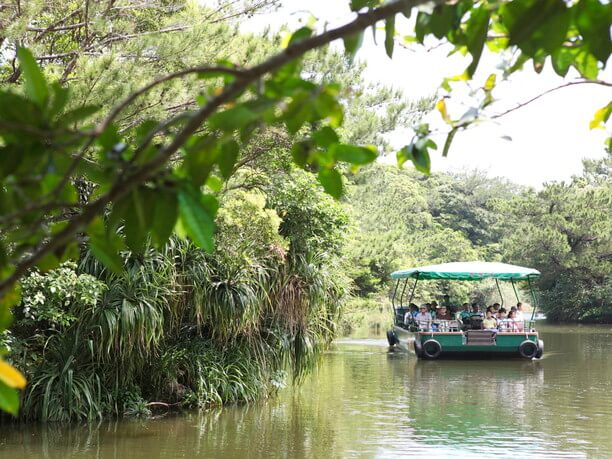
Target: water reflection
{"points": [[366, 402]]}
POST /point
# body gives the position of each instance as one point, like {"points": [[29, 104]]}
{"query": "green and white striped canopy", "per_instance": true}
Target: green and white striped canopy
{"points": [[469, 271]]}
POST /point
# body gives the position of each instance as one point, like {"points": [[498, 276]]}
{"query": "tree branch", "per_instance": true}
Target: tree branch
{"points": [[565, 85], [135, 95], [56, 29]]}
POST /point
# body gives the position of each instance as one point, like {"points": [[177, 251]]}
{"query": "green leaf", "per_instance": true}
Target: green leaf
{"points": [[325, 137], [138, 217], [327, 106], [418, 154], [109, 137], [227, 158], [390, 35], [299, 111], [6, 318], [562, 58], [443, 19], [35, 83], [421, 27], [69, 252], [211, 204], [106, 253], [352, 43], [447, 143], [79, 114], [59, 98], [105, 245], [421, 160], [300, 153], [536, 24], [490, 83], [331, 181], [9, 399], [47, 262], [232, 119], [214, 183], [196, 218], [601, 116], [476, 35], [117, 213], [13, 296], [300, 34], [353, 154], [201, 154], [593, 19], [586, 64], [164, 216], [356, 5]]}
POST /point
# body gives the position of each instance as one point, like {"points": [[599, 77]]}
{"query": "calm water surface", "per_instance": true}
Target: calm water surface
{"points": [[366, 402]]}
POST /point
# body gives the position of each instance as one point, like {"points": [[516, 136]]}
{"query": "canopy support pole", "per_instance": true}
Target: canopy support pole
{"points": [[416, 280], [500, 292], [533, 296], [394, 294], [401, 303], [518, 300]]}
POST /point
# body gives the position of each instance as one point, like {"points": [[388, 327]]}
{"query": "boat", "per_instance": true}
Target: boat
{"points": [[467, 338]]}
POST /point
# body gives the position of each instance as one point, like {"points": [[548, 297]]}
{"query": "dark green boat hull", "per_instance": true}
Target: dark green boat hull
{"points": [[455, 344]]}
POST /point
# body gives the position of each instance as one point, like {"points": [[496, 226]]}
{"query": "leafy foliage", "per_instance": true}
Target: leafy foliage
{"points": [[47, 299], [564, 232], [404, 219]]}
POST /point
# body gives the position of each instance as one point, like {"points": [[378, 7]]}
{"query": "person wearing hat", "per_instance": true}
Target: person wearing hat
{"points": [[423, 318], [443, 314]]}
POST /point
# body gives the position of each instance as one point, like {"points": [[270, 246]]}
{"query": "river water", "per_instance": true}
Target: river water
{"points": [[366, 402]]}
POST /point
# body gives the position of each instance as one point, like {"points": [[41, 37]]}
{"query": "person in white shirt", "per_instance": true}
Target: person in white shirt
{"points": [[423, 318], [513, 324], [519, 312], [502, 321]]}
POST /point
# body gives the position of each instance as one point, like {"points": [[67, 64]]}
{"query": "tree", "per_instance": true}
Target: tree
{"points": [[564, 231], [151, 176]]}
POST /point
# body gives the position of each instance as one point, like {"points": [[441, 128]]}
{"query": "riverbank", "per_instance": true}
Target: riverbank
{"points": [[362, 317]]}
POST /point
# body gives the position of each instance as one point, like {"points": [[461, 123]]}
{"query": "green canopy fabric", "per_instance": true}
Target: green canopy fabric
{"points": [[469, 270]]}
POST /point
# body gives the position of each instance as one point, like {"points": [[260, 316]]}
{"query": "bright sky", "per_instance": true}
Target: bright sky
{"points": [[549, 137]]}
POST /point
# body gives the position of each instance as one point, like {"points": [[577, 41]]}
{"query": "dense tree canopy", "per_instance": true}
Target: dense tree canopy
{"points": [[564, 230]]}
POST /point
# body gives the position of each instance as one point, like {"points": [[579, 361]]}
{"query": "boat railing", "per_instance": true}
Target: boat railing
{"points": [[440, 325]]}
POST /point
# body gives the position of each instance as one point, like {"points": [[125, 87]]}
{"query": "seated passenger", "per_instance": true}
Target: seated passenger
{"points": [[465, 312], [423, 318], [476, 310], [411, 313], [519, 312], [489, 323], [443, 314], [513, 324], [502, 320], [431, 309]]}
